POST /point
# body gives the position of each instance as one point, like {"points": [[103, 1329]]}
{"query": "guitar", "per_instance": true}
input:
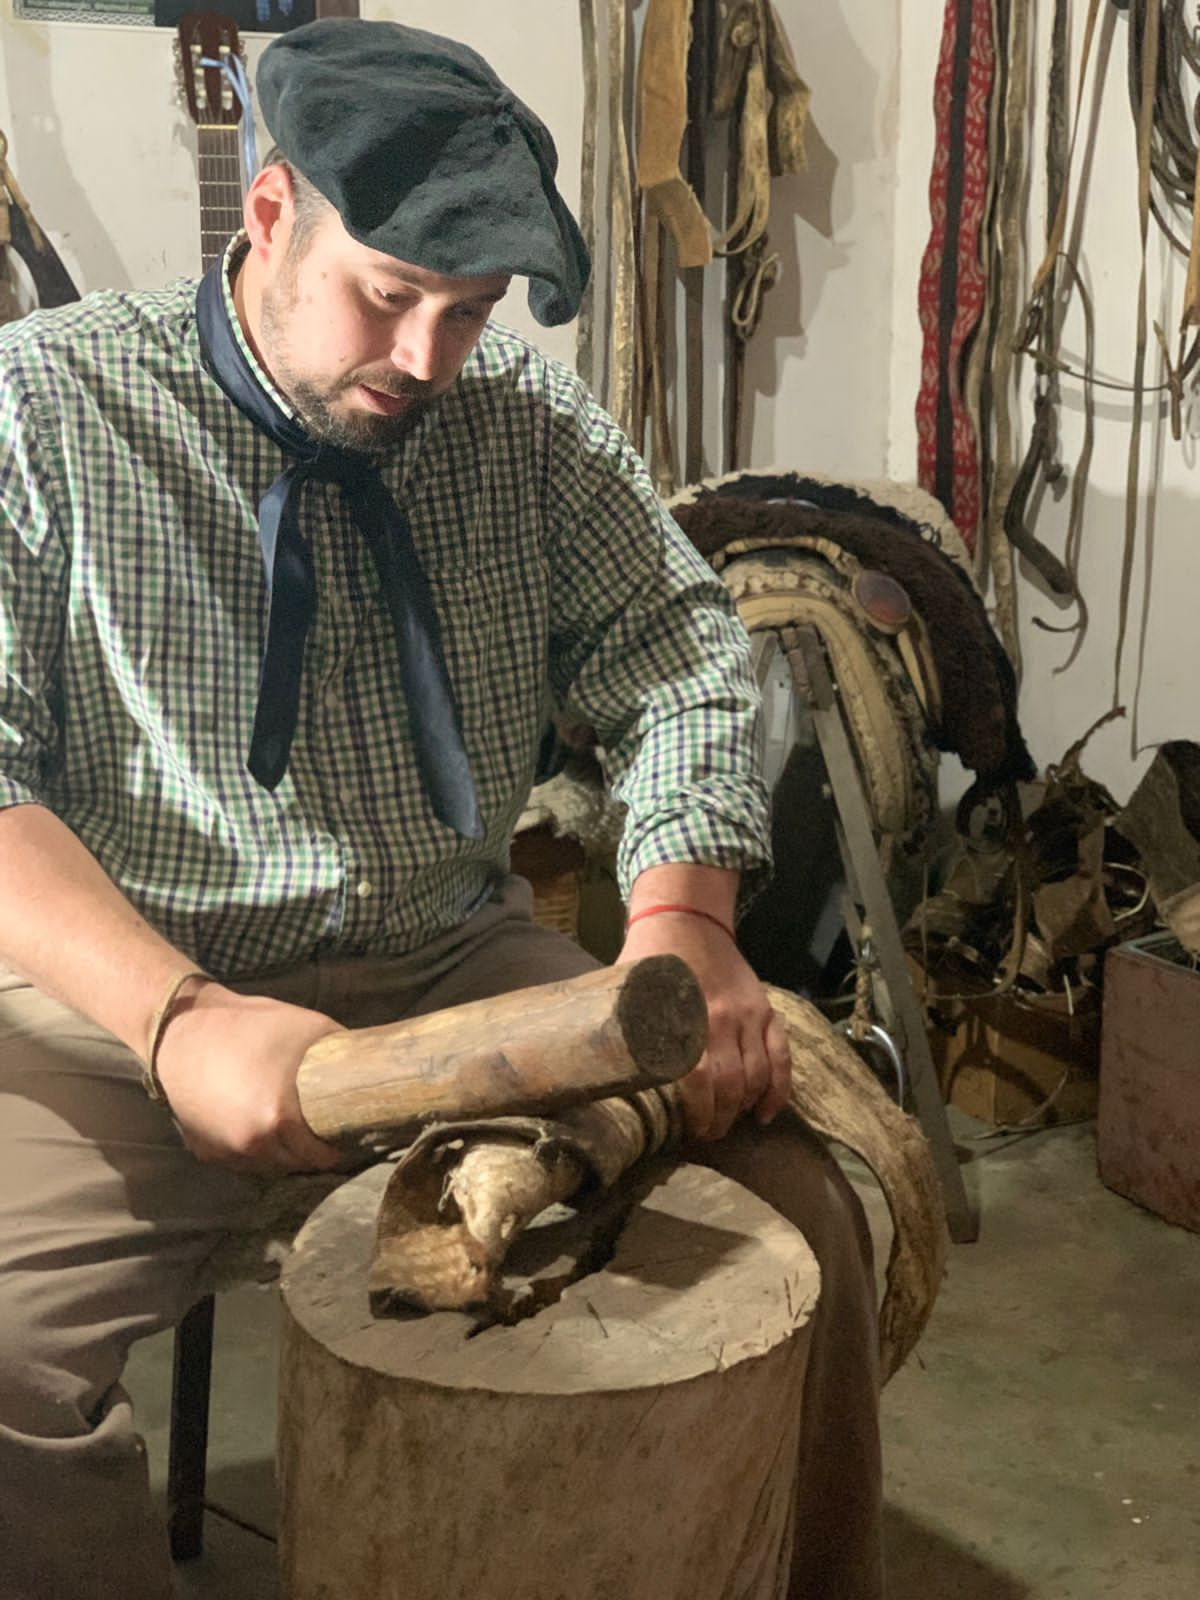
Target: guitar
{"points": [[217, 113]]}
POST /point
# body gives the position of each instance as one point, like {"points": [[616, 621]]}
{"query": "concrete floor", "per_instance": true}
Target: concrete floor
{"points": [[1043, 1445]]}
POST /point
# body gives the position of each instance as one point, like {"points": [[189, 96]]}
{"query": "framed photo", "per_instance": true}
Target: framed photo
{"points": [[250, 16]]}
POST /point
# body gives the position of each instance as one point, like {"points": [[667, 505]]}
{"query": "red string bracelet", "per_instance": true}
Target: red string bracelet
{"points": [[691, 911]]}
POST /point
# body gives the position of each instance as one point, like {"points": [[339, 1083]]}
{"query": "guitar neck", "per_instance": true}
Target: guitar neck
{"points": [[220, 174]]}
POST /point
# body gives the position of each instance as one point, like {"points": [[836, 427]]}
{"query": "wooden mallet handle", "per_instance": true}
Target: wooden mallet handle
{"points": [[612, 1031]]}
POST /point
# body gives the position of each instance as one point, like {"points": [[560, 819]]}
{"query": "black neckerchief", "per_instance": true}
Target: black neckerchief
{"points": [[291, 585]]}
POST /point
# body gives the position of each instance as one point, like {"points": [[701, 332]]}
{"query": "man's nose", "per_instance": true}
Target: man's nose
{"points": [[416, 347]]}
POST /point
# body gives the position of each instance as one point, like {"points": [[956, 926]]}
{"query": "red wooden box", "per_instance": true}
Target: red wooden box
{"points": [[1149, 1121]]}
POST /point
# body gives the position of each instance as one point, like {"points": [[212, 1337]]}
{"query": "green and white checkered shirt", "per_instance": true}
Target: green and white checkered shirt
{"points": [[133, 611]]}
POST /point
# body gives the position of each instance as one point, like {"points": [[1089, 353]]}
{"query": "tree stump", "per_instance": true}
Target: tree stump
{"points": [[636, 1439]]}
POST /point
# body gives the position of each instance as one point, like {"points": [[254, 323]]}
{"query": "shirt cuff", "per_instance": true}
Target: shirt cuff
{"points": [[698, 832]]}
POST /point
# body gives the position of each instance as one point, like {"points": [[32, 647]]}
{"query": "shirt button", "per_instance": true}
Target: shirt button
{"points": [[364, 888], [332, 699]]}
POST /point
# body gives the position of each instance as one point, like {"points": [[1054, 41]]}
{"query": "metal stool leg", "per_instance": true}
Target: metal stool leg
{"points": [[187, 1460], [814, 687]]}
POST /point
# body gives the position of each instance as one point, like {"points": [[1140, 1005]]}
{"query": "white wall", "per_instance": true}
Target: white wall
{"points": [[105, 152], [1057, 708], [104, 149], [818, 381]]}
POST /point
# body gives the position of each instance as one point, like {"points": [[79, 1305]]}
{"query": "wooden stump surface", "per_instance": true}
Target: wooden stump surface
{"points": [[637, 1439]]}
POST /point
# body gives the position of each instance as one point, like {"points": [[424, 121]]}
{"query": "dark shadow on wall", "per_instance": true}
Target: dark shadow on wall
{"points": [[821, 199], [60, 203]]}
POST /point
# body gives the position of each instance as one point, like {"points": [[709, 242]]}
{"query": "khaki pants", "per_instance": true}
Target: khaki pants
{"points": [[107, 1223]]}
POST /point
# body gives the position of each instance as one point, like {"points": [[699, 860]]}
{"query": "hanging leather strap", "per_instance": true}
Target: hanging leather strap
{"points": [[662, 117], [1040, 453], [623, 358], [585, 327], [1009, 209], [1058, 227], [1145, 129]]}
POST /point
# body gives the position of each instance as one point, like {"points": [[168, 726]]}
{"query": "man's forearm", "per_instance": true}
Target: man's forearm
{"points": [[67, 929], [709, 889]]}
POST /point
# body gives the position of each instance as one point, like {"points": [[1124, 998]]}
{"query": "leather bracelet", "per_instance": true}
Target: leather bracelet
{"points": [[151, 1081], [691, 911]]}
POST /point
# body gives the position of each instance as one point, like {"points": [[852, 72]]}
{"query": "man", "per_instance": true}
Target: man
{"points": [[293, 565]]}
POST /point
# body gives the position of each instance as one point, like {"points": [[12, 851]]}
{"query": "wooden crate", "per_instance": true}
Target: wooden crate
{"points": [[1149, 1125], [1007, 1058]]}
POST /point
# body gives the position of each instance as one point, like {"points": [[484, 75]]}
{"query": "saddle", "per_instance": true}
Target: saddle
{"points": [[891, 596]]}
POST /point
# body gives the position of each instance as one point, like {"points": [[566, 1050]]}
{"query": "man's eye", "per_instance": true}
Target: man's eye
{"points": [[388, 296], [472, 313]]}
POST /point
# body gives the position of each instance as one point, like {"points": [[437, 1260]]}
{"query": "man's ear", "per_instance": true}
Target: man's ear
{"points": [[268, 211]]}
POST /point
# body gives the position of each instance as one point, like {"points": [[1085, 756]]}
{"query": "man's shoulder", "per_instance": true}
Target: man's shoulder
{"points": [[101, 330], [502, 355]]}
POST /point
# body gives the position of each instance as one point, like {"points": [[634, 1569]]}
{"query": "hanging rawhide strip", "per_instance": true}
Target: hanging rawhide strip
{"points": [[951, 295], [622, 395], [754, 83], [585, 337], [758, 88], [1007, 225]]}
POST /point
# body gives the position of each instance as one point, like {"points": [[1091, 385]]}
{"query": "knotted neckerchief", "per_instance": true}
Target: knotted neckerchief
{"points": [[291, 584]]}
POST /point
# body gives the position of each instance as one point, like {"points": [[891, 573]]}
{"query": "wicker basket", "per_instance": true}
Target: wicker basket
{"points": [[554, 868]]}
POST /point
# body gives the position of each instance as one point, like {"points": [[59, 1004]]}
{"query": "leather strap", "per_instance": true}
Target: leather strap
{"points": [[585, 327], [1145, 129], [952, 289], [699, 80], [662, 118], [623, 360], [1009, 217]]}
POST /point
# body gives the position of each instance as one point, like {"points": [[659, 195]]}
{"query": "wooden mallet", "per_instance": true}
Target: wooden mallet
{"points": [[609, 1032]]}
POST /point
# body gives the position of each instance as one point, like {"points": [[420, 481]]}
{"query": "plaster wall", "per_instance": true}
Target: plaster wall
{"points": [[105, 151]]}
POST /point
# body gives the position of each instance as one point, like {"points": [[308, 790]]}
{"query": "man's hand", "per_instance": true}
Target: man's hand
{"points": [[228, 1064], [747, 1065]]}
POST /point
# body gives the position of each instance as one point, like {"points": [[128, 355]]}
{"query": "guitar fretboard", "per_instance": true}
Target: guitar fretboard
{"points": [[220, 172]]}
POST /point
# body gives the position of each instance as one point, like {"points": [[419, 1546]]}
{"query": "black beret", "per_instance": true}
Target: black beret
{"points": [[425, 155]]}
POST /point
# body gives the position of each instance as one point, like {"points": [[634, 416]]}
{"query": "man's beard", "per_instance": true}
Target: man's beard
{"points": [[359, 430]]}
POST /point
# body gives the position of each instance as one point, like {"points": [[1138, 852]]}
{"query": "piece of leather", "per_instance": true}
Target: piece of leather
{"points": [[883, 713], [623, 349], [585, 328], [662, 118], [1009, 230], [1145, 126]]}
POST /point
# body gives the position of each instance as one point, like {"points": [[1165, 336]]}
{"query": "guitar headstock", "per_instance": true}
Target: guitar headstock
{"points": [[200, 36]]}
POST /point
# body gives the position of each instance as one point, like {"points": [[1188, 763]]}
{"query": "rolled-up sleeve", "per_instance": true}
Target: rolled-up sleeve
{"points": [[648, 648], [33, 580]]}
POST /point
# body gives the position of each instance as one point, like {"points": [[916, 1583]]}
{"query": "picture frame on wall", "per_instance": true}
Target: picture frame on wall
{"points": [[250, 16]]}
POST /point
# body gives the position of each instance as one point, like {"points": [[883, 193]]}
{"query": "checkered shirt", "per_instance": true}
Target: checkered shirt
{"points": [[133, 614]]}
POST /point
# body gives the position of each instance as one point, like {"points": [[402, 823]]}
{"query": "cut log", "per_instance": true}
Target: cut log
{"points": [[636, 1439], [611, 1031]]}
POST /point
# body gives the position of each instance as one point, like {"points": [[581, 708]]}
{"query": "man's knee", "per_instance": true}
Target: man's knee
{"points": [[52, 1377], [792, 1168]]}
